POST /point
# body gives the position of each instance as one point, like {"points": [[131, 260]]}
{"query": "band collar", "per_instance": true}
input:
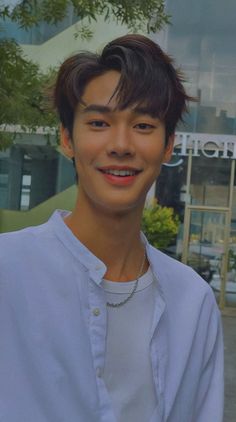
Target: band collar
{"points": [[87, 259]]}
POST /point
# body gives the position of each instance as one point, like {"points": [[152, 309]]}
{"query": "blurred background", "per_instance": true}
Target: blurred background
{"points": [[199, 183]]}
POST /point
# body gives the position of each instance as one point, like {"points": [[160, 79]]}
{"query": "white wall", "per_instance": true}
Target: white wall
{"points": [[56, 49]]}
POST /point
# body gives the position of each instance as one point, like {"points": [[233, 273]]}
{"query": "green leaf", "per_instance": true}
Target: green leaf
{"points": [[6, 140], [22, 90], [22, 82], [146, 15], [160, 225]]}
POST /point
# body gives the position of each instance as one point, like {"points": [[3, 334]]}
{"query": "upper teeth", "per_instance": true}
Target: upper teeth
{"points": [[121, 172]]}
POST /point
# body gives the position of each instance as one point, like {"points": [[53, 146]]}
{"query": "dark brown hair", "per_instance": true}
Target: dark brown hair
{"points": [[148, 78]]}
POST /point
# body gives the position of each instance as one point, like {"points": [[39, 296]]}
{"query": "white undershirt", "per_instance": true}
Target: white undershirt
{"points": [[128, 372]]}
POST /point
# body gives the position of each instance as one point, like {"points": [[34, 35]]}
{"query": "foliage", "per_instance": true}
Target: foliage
{"points": [[6, 140], [146, 15], [21, 90], [22, 82], [160, 225], [232, 260]]}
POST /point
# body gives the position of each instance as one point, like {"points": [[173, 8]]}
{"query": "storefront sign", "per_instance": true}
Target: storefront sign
{"points": [[208, 145]]}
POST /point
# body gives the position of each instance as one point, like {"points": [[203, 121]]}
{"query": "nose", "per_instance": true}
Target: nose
{"points": [[120, 144]]}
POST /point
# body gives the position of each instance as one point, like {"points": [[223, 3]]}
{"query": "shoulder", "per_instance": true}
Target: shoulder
{"points": [[167, 266], [35, 249], [24, 235], [178, 280], [17, 247], [189, 300], [34, 236]]}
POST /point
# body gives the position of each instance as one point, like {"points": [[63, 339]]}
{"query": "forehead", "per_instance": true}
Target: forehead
{"points": [[101, 89], [99, 97]]}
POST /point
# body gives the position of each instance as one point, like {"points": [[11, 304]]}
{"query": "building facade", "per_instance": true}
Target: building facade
{"points": [[199, 182]]}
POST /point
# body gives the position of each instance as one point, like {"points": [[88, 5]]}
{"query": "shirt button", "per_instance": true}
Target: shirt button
{"points": [[96, 311], [99, 372]]}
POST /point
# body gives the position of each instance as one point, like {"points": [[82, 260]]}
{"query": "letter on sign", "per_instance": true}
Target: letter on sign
{"points": [[208, 147]]}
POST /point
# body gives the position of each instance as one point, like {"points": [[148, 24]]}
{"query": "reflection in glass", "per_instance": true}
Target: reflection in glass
{"points": [[207, 245], [202, 40], [171, 192], [210, 181]]}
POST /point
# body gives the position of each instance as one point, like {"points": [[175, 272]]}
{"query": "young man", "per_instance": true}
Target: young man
{"points": [[97, 325]]}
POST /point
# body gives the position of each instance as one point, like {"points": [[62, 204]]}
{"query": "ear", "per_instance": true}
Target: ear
{"points": [[66, 142], [169, 148]]}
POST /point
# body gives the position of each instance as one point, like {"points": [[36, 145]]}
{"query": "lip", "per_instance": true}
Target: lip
{"points": [[119, 180], [116, 167]]}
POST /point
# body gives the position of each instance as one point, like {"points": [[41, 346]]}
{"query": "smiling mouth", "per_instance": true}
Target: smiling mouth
{"points": [[120, 173]]}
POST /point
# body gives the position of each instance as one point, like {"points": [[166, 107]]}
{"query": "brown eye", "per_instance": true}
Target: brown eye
{"points": [[144, 126], [97, 124]]}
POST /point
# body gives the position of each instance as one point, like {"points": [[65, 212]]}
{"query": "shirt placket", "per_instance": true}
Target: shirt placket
{"points": [[98, 332], [158, 351]]}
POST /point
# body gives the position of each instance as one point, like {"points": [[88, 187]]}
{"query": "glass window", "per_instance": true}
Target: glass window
{"points": [[210, 181], [25, 192], [206, 244], [202, 40], [3, 190], [171, 192], [38, 34], [4, 181]]}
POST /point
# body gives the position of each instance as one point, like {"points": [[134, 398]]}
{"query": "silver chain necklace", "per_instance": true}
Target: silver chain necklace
{"points": [[117, 305]]}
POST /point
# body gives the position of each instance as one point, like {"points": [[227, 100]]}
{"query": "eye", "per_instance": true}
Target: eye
{"points": [[145, 127], [98, 124]]}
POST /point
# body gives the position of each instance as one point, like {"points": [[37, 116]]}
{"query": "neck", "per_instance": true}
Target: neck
{"points": [[114, 238]]}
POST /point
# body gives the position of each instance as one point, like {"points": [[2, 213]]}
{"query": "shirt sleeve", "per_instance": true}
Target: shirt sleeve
{"points": [[210, 397]]}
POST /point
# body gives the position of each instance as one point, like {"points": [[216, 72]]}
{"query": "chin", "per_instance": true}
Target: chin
{"points": [[119, 207]]}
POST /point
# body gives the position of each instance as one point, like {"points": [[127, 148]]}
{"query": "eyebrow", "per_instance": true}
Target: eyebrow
{"points": [[144, 110], [98, 108]]}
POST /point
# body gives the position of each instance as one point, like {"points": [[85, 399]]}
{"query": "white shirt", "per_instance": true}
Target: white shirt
{"points": [[127, 371], [53, 327]]}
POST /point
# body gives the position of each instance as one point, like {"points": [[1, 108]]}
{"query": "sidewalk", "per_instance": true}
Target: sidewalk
{"points": [[229, 327]]}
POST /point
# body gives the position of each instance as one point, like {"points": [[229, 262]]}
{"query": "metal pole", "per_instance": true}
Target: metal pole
{"points": [[227, 239], [186, 212]]}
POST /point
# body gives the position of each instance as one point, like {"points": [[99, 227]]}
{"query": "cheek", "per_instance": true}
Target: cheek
{"points": [[83, 152], [86, 157], [153, 155], [87, 147]]}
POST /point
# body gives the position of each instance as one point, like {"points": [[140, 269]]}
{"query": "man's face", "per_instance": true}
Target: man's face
{"points": [[118, 154]]}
